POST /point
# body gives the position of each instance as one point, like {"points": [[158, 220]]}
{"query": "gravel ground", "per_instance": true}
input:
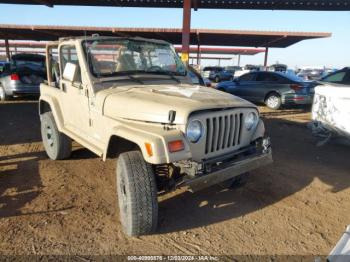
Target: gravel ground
{"points": [[300, 205]]}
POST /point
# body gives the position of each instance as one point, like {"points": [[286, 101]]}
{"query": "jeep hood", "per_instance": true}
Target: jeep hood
{"points": [[153, 103]]}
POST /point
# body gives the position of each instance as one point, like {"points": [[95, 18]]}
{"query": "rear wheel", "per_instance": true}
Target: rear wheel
{"points": [[137, 194], [57, 145], [3, 96], [273, 101]]}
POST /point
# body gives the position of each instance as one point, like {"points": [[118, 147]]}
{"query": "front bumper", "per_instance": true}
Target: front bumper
{"points": [[233, 168], [297, 99]]}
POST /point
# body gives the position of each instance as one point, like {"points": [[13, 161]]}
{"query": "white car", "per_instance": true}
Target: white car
{"points": [[331, 109]]}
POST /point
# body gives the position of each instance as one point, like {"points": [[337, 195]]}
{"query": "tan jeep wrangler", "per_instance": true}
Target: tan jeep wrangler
{"points": [[133, 98]]}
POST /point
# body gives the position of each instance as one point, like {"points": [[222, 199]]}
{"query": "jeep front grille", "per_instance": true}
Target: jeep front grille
{"points": [[223, 131]]}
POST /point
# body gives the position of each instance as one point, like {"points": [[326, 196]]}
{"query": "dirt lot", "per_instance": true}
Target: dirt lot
{"points": [[300, 205]]}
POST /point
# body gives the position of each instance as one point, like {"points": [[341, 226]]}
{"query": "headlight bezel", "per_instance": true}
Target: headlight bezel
{"points": [[251, 122], [194, 138]]}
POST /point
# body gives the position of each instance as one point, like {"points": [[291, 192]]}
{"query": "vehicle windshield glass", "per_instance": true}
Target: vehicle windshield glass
{"points": [[113, 57]]}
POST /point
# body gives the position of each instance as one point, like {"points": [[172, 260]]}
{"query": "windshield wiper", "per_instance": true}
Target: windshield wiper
{"points": [[135, 79], [168, 73]]}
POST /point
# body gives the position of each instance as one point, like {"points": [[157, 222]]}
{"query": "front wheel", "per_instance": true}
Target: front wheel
{"points": [[273, 101], [137, 194], [57, 145]]}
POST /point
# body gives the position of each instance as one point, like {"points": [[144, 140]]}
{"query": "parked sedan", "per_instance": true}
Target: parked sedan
{"points": [[22, 76], [272, 88]]}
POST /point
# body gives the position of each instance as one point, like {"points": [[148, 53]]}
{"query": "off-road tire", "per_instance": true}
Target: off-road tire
{"points": [[273, 101], [58, 146], [3, 96], [137, 194]]}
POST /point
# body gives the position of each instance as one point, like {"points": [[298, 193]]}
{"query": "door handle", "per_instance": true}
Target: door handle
{"points": [[64, 89]]}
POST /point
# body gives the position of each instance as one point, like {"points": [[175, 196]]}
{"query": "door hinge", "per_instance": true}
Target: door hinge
{"points": [[90, 122]]}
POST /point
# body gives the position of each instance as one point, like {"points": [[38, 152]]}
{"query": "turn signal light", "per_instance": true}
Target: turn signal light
{"points": [[176, 146], [149, 149]]}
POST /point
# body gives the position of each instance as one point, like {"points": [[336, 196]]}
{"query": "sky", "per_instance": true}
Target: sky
{"points": [[332, 52]]}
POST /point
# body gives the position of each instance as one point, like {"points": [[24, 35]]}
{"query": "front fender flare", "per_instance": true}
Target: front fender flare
{"points": [[157, 137], [55, 109]]}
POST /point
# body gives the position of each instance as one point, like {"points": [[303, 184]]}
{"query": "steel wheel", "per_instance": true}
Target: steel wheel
{"points": [[57, 145]]}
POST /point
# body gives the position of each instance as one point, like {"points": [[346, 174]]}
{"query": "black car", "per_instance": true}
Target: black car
{"points": [[272, 88]]}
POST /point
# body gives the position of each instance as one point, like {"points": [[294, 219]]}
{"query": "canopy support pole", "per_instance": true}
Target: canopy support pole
{"points": [[7, 48], [239, 60], [186, 30], [266, 57], [198, 51]]}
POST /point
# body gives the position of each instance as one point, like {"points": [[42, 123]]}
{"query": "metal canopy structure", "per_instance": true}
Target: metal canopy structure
{"points": [[321, 5], [222, 51], [203, 50], [197, 36], [187, 5]]}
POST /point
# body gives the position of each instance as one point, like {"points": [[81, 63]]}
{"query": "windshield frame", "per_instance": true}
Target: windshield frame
{"points": [[132, 72]]}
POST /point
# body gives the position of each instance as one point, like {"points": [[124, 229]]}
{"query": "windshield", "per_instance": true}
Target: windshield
{"points": [[113, 57]]}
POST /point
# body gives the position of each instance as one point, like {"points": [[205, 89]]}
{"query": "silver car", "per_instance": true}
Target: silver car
{"points": [[22, 76]]}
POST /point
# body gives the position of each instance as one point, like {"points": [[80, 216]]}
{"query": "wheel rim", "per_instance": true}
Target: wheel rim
{"points": [[273, 101], [49, 136]]}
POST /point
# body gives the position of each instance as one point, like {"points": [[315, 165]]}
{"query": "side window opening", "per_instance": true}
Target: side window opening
{"points": [[267, 77], [247, 77], [335, 78], [54, 69], [69, 55]]}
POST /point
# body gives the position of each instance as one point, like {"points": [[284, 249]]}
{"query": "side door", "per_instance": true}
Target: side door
{"points": [[74, 96], [265, 83], [243, 86]]}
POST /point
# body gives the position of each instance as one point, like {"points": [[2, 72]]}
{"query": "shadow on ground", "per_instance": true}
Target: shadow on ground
{"points": [[20, 122], [20, 182], [297, 162]]}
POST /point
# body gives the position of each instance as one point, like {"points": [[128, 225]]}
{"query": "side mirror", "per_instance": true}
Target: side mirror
{"points": [[70, 72]]}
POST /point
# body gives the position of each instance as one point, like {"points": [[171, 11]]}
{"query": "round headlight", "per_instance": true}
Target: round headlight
{"points": [[194, 131], [250, 120]]}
